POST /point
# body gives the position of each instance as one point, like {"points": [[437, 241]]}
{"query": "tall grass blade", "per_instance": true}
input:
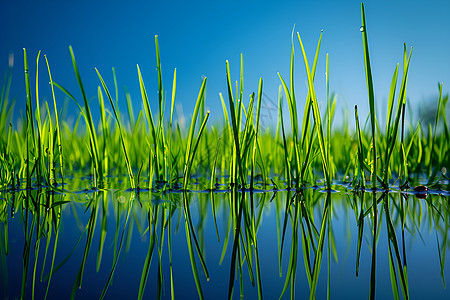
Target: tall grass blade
{"points": [[371, 95], [317, 121], [130, 171], [151, 124], [234, 126], [189, 156], [58, 130], [89, 121]]}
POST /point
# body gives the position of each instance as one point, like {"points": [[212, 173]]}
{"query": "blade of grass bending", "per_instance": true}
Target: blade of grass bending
{"points": [[391, 100], [130, 171], [29, 112], [57, 120], [393, 274], [116, 89], [88, 119], [151, 124], [316, 114], [293, 114], [370, 93], [360, 152], [174, 86], [307, 111], [105, 129], [202, 260], [161, 102], [401, 101], [258, 112], [38, 141], [188, 157]]}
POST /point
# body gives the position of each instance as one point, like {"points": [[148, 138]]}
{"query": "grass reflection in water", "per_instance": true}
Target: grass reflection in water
{"points": [[305, 243]]}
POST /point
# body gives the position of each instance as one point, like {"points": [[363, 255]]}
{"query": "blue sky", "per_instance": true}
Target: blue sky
{"points": [[198, 37]]}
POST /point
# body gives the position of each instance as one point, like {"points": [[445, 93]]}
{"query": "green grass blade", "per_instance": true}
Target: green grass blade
{"points": [[189, 156], [30, 122], [151, 124], [174, 86], [370, 93], [258, 113], [89, 121], [316, 115], [58, 130], [130, 171], [234, 125]]}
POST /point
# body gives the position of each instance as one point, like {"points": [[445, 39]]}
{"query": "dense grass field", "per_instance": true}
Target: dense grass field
{"points": [[150, 144]]}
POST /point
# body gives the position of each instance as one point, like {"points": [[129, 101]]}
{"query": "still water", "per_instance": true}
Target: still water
{"points": [[120, 244]]}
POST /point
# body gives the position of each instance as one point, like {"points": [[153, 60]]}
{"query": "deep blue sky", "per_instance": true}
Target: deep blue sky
{"points": [[197, 37]]}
